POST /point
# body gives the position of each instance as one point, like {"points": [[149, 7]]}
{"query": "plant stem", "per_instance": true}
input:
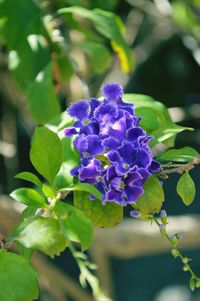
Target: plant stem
{"points": [[178, 168], [86, 276], [175, 251]]}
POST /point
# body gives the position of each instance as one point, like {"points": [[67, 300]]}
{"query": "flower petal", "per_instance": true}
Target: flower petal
{"points": [[112, 91], [79, 110]]}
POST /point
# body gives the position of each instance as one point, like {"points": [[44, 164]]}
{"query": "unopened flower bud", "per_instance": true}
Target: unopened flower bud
{"points": [[162, 229], [186, 267], [163, 216], [185, 260], [135, 213], [175, 253], [179, 235], [198, 283]]}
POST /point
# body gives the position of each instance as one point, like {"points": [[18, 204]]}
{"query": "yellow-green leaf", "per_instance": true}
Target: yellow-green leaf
{"points": [[186, 189]]}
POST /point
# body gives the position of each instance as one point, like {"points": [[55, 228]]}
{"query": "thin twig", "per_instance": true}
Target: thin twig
{"points": [[164, 173]]}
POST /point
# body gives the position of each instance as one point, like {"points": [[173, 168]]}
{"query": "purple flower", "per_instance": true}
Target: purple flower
{"points": [[114, 151]]}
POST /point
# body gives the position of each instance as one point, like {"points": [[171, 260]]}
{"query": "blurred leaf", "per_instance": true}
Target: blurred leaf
{"points": [[65, 66], [106, 5], [60, 122], [185, 154], [30, 177], [46, 153], [29, 63], [167, 129], [25, 12], [108, 215], [100, 57], [153, 197], [42, 233], [110, 26], [85, 187], [24, 252], [22, 32], [42, 100], [186, 189], [28, 212], [186, 15], [74, 225], [29, 197], [18, 278]]}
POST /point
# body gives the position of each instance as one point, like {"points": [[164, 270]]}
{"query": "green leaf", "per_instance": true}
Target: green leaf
{"points": [[71, 159], [30, 177], [65, 66], [42, 100], [24, 252], [149, 118], [192, 283], [108, 215], [185, 154], [46, 153], [28, 212], [60, 122], [85, 187], [111, 27], [166, 130], [42, 233], [48, 191], [29, 197], [151, 200], [29, 56], [186, 189], [74, 225], [94, 50], [64, 178], [18, 278]]}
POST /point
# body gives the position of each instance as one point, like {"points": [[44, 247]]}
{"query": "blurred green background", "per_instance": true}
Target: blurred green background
{"points": [[49, 59]]}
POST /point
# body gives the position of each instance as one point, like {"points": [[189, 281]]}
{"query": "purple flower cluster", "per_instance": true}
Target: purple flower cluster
{"points": [[114, 151]]}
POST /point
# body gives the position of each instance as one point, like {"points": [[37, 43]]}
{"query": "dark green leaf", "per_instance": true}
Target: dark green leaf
{"points": [[25, 63], [167, 129], [65, 66], [42, 100], [18, 278], [85, 187], [30, 177], [186, 189], [110, 26], [42, 233], [46, 153], [108, 215], [29, 197], [74, 225], [151, 201], [17, 20], [29, 56], [185, 154]]}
